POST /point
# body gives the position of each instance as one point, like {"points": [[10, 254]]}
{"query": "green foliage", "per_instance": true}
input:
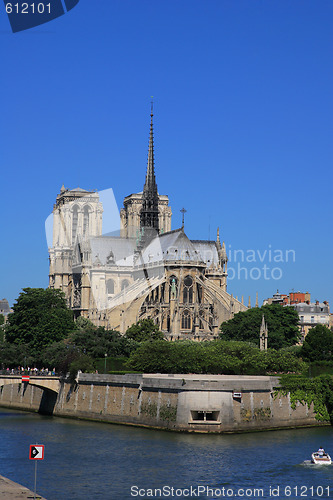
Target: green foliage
{"points": [[83, 323], [111, 364], [318, 390], [261, 414], [2, 319], [317, 368], [84, 339], [39, 318], [83, 363], [318, 344], [281, 321], [143, 330], [149, 409], [96, 342], [13, 355], [92, 342], [216, 357], [168, 413], [58, 355]]}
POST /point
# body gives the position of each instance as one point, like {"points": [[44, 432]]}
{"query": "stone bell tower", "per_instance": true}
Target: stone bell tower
{"points": [[77, 216]]}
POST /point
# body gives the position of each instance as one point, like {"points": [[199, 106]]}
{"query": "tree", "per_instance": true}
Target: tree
{"points": [[96, 341], [143, 330], [39, 318], [229, 358], [318, 344], [2, 331], [13, 355], [282, 325]]}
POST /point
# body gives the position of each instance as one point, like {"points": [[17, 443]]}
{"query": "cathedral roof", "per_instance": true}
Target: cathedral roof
{"points": [[122, 248], [171, 246], [175, 245], [81, 190], [208, 251]]}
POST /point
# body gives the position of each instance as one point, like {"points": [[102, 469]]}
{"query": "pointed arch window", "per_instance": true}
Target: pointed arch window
{"points": [[110, 287], [75, 219], [86, 221], [186, 320], [188, 290]]}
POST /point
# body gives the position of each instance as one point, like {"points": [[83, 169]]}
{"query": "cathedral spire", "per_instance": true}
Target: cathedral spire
{"points": [[149, 211], [150, 184]]}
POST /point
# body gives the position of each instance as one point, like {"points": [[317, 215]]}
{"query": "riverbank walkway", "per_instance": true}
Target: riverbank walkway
{"points": [[13, 491]]}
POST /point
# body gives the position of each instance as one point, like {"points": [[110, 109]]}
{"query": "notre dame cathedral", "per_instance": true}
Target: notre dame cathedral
{"points": [[146, 271]]}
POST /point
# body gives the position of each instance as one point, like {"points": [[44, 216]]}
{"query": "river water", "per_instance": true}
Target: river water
{"points": [[87, 460]]}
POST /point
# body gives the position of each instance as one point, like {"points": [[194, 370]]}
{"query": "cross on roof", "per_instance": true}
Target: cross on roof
{"points": [[183, 211]]}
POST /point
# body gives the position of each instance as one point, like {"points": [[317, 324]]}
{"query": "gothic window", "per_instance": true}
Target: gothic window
{"points": [[124, 284], [77, 290], [86, 221], [110, 287], [186, 320], [74, 223], [188, 290], [168, 323]]}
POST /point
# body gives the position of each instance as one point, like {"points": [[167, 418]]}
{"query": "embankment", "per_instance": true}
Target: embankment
{"points": [[194, 403]]}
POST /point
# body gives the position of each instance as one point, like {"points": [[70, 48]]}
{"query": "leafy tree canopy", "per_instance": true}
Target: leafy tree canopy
{"points": [[143, 330], [281, 322], [40, 317], [96, 342], [221, 357], [318, 344]]}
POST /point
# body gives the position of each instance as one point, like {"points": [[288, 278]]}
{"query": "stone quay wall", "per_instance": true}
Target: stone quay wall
{"points": [[194, 403]]}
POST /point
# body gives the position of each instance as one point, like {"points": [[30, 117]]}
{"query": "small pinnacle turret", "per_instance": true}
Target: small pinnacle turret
{"points": [[224, 257], [263, 336], [218, 241]]}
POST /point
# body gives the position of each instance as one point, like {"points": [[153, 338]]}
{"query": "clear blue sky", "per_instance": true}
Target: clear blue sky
{"points": [[243, 127]]}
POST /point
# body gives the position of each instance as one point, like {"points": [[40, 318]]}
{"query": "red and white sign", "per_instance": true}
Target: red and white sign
{"points": [[25, 378], [36, 452]]}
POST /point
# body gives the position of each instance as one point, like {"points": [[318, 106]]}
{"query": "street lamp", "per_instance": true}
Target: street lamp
{"points": [[105, 356]]}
